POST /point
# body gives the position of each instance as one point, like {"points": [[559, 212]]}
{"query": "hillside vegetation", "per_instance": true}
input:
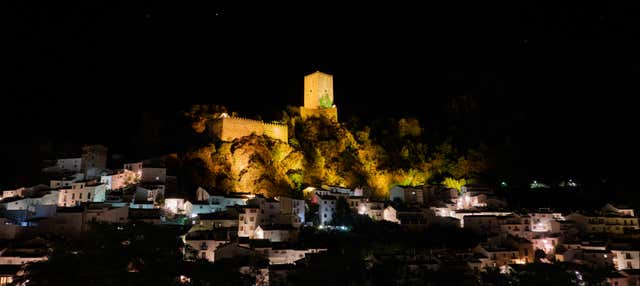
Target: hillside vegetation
{"points": [[374, 156]]}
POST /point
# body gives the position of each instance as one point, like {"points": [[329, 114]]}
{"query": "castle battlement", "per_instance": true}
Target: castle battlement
{"points": [[230, 128]]}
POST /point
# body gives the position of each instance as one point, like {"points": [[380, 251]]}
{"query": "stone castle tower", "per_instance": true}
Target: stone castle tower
{"points": [[318, 96]]}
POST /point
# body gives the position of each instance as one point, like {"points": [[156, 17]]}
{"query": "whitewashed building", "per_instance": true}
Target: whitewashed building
{"points": [[248, 220], [326, 209], [205, 243], [276, 233], [69, 164], [82, 192]]}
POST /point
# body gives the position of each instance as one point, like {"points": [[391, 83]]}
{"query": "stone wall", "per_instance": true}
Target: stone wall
{"points": [[276, 131], [230, 128]]}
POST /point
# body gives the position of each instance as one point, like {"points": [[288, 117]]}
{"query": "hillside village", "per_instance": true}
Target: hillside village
{"points": [[318, 234]]}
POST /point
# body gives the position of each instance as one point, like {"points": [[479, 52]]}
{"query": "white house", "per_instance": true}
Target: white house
{"points": [[19, 192], [293, 210], [70, 164], [207, 203], [269, 208], [177, 205], [81, 193], [626, 257], [543, 221], [148, 192], [545, 243], [205, 243], [135, 167], [276, 233], [326, 209], [66, 181], [118, 179], [248, 220], [28, 203]]}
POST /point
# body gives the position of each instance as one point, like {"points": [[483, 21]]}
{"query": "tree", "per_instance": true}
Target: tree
{"points": [[325, 101]]}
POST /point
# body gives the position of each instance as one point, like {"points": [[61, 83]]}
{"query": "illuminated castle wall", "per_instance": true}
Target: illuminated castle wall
{"points": [[318, 96], [229, 128]]}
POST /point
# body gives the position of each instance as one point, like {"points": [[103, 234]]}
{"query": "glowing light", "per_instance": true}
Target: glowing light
{"points": [[259, 233], [362, 209], [184, 279], [194, 215]]}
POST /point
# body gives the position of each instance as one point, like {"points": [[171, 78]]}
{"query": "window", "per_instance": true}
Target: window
{"points": [[80, 197], [73, 196], [241, 228], [629, 265], [251, 219], [325, 215], [89, 196], [241, 217], [627, 255]]}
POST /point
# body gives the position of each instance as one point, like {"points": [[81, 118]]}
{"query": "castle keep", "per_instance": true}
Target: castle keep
{"points": [[318, 97], [318, 101]]}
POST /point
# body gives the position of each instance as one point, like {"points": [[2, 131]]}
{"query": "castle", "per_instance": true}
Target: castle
{"points": [[318, 101], [318, 97]]}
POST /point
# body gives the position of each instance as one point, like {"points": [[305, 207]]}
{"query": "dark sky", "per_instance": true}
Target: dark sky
{"points": [[557, 80]]}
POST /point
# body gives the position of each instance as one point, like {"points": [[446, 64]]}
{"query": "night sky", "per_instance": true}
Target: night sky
{"points": [[559, 82]]}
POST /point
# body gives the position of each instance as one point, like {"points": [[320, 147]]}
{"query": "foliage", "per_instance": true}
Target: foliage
{"points": [[325, 101], [201, 113], [138, 254], [377, 155], [454, 184]]}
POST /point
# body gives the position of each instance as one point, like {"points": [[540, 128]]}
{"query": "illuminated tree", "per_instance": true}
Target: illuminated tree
{"points": [[325, 101], [454, 184]]}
